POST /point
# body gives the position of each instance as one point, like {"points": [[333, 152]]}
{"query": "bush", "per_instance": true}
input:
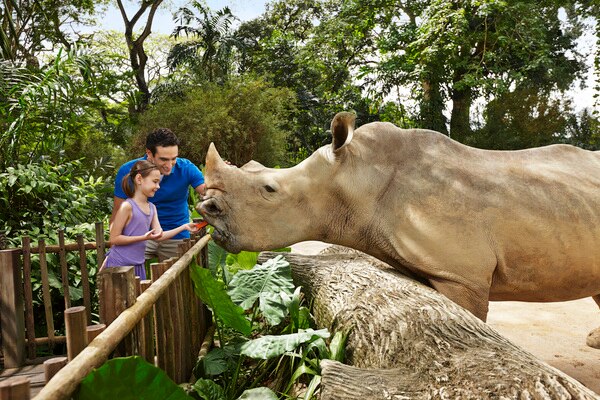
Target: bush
{"points": [[243, 118]]}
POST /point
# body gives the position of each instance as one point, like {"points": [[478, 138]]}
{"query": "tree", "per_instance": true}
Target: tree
{"points": [[137, 53], [243, 117], [47, 113], [209, 51], [457, 52], [32, 27]]}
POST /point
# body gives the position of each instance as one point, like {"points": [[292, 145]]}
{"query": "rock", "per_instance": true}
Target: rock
{"points": [[593, 339]]}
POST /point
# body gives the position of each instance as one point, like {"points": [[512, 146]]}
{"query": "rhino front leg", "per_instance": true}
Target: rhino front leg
{"points": [[593, 338], [473, 300]]}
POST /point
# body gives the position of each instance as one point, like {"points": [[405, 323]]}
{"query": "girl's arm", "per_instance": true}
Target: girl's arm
{"points": [[121, 220], [185, 227]]}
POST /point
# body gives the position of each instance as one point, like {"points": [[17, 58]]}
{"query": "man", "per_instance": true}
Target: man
{"points": [[171, 199]]}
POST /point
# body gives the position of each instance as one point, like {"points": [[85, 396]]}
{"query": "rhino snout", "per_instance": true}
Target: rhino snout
{"points": [[210, 207]]}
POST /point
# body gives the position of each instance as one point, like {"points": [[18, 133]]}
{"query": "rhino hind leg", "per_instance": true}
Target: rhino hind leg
{"points": [[473, 300], [593, 338]]}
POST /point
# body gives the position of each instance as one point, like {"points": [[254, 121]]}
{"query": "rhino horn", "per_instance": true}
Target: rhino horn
{"points": [[342, 129], [214, 164]]}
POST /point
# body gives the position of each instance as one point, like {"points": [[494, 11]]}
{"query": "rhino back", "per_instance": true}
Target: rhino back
{"points": [[532, 215]]}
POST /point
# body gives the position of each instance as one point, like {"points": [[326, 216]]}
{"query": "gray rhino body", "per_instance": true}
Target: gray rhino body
{"points": [[476, 225]]}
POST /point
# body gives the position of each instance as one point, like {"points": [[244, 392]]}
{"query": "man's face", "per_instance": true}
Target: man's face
{"points": [[164, 158]]}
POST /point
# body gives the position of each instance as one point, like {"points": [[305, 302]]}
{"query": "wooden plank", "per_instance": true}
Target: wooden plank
{"points": [[64, 269], [46, 294], [85, 278], [11, 309], [28, 296]]}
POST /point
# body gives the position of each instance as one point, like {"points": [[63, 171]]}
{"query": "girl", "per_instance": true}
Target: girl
{"points": [[131, 225]]}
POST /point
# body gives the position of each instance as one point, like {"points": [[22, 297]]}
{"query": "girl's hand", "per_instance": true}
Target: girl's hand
{"points": [[192, 227], [154, 234]]}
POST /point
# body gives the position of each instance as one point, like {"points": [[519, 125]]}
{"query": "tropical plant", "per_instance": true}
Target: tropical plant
{"points": [[47, 113], [37, 200], [276, 347], [128, 378], [211, 42]]}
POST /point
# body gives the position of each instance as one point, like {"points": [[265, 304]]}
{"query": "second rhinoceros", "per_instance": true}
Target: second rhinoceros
{"points": [[476, 225]]}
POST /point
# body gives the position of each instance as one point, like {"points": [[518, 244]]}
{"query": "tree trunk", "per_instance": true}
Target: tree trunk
{"points": [[408, 341]]}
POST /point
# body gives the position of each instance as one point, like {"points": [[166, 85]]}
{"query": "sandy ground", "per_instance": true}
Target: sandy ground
{"points": [[553, 332]]}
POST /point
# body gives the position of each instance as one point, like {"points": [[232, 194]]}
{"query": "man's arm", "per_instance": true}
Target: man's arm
{"points": [[201, 190]]}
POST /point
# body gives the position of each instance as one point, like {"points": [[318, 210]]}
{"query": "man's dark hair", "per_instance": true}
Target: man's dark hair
{"points": [[162, 137]]}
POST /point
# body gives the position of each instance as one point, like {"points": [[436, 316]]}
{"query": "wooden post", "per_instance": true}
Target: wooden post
{"points": [[85, 278], [64, 270], [46, 294], [52, 366], [11, 309], [147, 344], [28, 297], [76, 327], [162, 320], [116, 292], [94, 330], [100, 245], [16, 388]]}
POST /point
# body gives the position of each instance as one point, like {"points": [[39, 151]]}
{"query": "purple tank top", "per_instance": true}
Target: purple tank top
{"points": [[132, 254]]}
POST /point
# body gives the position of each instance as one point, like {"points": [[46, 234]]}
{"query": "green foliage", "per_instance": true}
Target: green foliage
{"points": [[243, 118], [282, 349], [128, 378], [213, 294], [263, 283], [59, 110], [43, 197]]}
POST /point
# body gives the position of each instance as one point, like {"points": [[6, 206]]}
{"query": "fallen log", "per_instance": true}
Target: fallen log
{"points": [[407, 341]]}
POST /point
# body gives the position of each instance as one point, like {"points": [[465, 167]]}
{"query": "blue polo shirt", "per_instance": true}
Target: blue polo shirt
{"points": [[171, 199]]}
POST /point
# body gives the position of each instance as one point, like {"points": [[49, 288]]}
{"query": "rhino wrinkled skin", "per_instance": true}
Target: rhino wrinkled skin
{"points": [[476, 225]]}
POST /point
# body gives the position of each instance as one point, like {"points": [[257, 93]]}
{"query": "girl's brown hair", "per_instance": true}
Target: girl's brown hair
{"points": [[142, 167]]}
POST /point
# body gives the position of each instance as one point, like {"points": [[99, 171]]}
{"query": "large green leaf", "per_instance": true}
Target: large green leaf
{"points": [[261, 393], [209, 390], [214, 295], [216, 257], [129, 378], [269, 346], [264, 283]]}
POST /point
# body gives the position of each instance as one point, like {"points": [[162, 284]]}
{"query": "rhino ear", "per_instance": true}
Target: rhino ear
{"points": [[342, 129], [214, 163]]}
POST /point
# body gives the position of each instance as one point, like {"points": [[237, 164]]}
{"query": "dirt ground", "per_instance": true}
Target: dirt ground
{"points": [[553, 332]]}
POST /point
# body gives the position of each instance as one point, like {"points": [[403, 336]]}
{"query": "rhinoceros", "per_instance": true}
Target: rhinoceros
{"points": [[476, 225]]}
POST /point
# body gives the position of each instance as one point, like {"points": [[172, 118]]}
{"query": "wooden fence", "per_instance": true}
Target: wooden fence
{"points": [[179, 325], [19, 341], [170, 336]]}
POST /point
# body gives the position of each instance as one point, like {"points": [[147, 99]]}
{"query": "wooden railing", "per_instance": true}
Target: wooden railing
{"points": [[176, 310]]}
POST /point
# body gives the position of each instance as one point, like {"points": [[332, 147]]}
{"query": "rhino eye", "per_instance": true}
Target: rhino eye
{"points": [[269, 189]]}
